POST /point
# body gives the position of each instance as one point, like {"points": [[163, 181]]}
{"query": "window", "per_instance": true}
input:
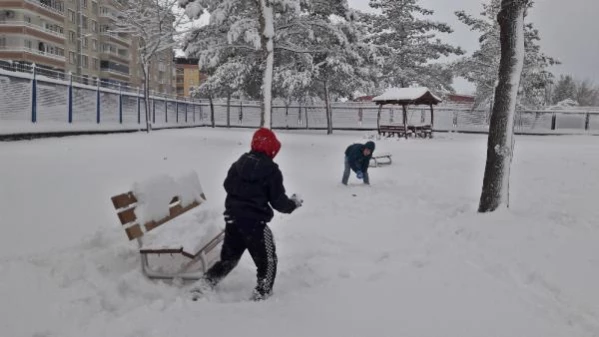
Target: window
{"points": [[95, 7], [2, 41], [72, 58], [84, 61], [72, 36], [84, 43], [28, 44], [84, 3], [94, 45], [84, 21], [72, 16], [94, 26], [27, 19], [95, 64]]}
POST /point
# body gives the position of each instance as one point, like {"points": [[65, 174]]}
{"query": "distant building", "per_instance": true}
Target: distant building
{"points": [[459, 99], [188, 75], [364, 99], [67, 36]]}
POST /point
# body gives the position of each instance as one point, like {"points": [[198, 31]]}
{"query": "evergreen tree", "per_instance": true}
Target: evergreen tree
{"points": [[564, 89], [482, 66], [409, 43]]}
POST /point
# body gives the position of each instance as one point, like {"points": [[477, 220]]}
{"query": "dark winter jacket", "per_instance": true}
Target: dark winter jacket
{"points": [[356, 158], [254, 181]]}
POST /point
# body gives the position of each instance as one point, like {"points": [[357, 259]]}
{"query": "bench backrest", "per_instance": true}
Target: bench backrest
{"points": [[125, 206]]}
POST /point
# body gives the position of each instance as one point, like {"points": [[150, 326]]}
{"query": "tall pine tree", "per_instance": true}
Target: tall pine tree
{"points": [[409, 42], [481, 67]]}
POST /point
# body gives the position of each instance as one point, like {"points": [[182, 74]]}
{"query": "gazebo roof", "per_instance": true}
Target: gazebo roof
{"points": [[406, 96]]}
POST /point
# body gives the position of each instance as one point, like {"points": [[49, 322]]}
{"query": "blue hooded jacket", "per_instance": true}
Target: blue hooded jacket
{"points": [[356, 158]]}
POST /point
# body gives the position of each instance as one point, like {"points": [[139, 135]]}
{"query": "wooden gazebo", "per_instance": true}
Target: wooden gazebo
{"points": [[405, 97]]}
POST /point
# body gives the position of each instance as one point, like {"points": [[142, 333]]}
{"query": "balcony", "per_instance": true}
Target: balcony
{"points": [[115, 36], [105, 54], [58, 11], [32, 26], [108, 15], [21, 49], [115, 72]]}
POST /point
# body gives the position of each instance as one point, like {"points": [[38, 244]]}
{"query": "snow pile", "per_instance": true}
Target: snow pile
{"points": [[155, 194], [189, 188], [563, 105], [190, 231], [403, 94]]}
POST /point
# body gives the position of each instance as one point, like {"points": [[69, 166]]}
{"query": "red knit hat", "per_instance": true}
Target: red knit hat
{"points": [[265, 141]]}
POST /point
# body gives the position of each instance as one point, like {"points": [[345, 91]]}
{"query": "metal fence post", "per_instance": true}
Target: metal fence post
{"points": [[98, 101], [70, 98], [193, 106], [138, 107], [120, 104], [165, 110], [587, 121], [34, 96], [553, 121]]}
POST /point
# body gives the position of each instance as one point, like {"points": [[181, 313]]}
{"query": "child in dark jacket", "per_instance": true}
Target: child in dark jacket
{"points": [[357, 159], [254, 184]]}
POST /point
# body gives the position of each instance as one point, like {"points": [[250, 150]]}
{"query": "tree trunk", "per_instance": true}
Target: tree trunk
{"points": [[268, 31], [228, 110], [146, 71], [404, 118], [212, 122], [495, 191], [327, 101]]}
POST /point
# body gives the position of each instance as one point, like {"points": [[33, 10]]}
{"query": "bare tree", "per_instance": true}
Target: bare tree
{"points": [[495, 191], [152, 23]]}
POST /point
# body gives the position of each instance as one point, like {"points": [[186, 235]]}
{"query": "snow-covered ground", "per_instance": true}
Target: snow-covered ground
{"points": [[407, 256]]}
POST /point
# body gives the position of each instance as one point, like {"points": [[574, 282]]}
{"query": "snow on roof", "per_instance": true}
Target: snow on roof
{"points": [[405, 94]]}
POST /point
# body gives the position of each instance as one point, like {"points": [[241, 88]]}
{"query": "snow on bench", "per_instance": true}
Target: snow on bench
{"points": [[159, 200], [188, 234]]}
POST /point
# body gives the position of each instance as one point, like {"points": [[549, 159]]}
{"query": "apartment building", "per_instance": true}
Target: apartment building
{"points": [[74, 36], [188, 75]]}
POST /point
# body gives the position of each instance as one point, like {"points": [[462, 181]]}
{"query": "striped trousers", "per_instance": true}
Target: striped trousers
{"points": [[256, 237]]}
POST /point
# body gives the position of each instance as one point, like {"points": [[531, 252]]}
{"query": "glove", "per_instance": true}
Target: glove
{"points": [[360, 175], [297, 200]]}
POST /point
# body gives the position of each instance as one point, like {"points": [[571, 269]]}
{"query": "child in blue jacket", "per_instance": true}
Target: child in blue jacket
{"points": [[357, 159]]}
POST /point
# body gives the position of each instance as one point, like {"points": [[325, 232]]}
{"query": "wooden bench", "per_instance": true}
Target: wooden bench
{"points": [[422, 131], [192, 253], [376, 161], [393, 130]]}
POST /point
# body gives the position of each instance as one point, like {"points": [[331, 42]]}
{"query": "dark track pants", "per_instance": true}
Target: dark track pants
{"points": [[256, 237]]}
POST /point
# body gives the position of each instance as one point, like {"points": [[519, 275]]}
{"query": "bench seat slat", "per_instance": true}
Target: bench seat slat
{"points": [[123, 200], [127, 216], [134, 232]]}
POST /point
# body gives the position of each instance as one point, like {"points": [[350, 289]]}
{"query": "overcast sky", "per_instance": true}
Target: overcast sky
{"points": [[569, 31]]}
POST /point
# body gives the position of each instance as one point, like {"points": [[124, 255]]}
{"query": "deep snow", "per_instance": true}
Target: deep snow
{"points": [[407, 256]]}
